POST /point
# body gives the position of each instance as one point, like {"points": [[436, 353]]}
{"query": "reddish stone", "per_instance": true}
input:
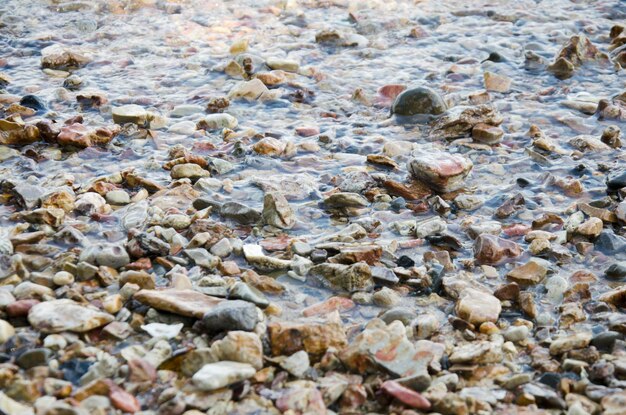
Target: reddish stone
{"points": [[123, 400], [278, 243], [78, 135], [307, 131], [20, 308], [140, 264], [141, 371], [328, 306], [491, 249], [388, 93], [405, 395], [516, 229]]}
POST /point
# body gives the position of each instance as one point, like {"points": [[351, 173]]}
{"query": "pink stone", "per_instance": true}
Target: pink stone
{"points": [[405, 395], [388, 93], [307, 131], [491, 249], [123, 400], [441, 171], [328, 306], [20, 308]]}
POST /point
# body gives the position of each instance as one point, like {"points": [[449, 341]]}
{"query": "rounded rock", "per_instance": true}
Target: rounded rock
{"points": [[418, 101]]}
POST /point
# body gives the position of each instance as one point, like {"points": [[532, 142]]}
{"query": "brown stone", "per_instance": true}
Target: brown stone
{"points": [[530, 273], [491, 249], [315, 338], [487, 134]]}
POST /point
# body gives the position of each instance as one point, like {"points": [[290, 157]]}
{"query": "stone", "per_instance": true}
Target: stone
{"points": [[386, 346], [385, 297], [59, 57], [14, 134], [277, 212], [11, 407], [496, 82], [459, 121], [283, 64], [252, 90], [231, 315], [591, 228], [187, 303], [567, 343], [6, 331], [311, 336], [240, 213], [221, 374], [81, 136], [491, 249], [487, 134], [189, 170], [222, 248], [346, 200], [296, 364], [616, 271], [107, 255], [405, 395], [217, 121], [66, 315], [243, 291], [477, 307], [516, 333], [168, 331], [418, 101], [327, 306], [576, 52], [430, 226], [132, 113], [531, 273], [34, 357], [117, 197], [442, 172], [240, 346], [255, 257], [355, 277]]}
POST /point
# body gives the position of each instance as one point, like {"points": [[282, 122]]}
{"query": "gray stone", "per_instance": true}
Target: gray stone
{"points": [[243, 291], [240, 213], [109, 255], [34, 357], [418, 101], [231, 315]]}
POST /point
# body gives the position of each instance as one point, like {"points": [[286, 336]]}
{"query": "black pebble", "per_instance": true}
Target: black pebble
{"points": [[34, 102], [405, 262]]}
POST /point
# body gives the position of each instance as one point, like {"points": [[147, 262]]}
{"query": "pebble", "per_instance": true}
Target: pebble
{"points": [[231, 315], [6, 331], [131, 113], [443, 172], [63, 278], [66, 315], [418, 101], [221, 374]]}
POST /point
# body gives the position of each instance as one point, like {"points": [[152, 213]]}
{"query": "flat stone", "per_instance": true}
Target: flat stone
{"points": [[66, 315], [312, 336], [255, 257], [187, 303], [277, 212], [530, 273], [188, 170], [240, 346], [567, 343], [131, 113], [496, 82], [221, 374], [491, 249], [405, 395]]}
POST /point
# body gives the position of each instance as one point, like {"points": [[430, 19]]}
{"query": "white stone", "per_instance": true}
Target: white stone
{"points": [[221, 374], [169, 331], [6, 331]]}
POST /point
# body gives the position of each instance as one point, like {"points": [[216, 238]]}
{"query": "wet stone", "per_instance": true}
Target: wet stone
{"points": [[231, 315], [418, 101], [443, 172]]}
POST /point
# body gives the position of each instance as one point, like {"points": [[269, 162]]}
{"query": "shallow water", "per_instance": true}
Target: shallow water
{"points": [[162, 54]]}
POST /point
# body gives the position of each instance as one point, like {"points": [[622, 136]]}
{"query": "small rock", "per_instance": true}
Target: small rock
{"points": [[487, 134], [441, 171], [189, 170], [496, 82], [66, 315], [221, 374], [132, 113], [405, 395], [418, 101], [478, 307], [530, 273], [567, 343], [296, 364], [490, 249], [277, 212], [231, 315]]}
